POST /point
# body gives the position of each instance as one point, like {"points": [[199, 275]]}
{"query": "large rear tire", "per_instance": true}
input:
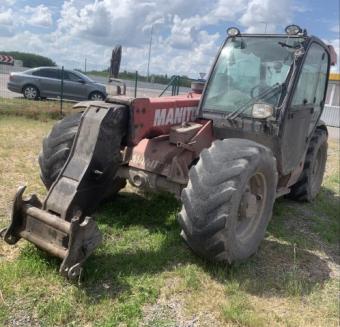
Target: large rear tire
{"points": [[229, 200], [56, 148], [309, 184]]}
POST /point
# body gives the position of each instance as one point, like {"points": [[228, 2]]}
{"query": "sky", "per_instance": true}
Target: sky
{"points": [[186, 34]]}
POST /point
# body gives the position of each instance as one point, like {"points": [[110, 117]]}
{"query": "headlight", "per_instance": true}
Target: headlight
{"points": [[293, 29], [233, 31], [262, 110]]}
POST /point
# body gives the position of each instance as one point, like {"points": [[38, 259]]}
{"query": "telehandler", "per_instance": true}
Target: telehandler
{"points": [[254, 134]]}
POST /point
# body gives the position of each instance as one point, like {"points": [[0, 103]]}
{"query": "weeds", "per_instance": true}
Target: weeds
{"points": [[294, 283], [37, 110], [143, 263], [239, 309]]}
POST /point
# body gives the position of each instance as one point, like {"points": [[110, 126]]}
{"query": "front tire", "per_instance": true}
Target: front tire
{"points": [[229, 199], [56, 148], [30, 92], [309, 184]]}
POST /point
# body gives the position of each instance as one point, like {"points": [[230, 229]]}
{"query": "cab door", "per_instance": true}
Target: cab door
{"points": [[305, 107]]}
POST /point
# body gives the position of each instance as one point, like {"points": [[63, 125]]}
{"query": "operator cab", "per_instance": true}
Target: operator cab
{"points": [[250, 71], [269, 88]]}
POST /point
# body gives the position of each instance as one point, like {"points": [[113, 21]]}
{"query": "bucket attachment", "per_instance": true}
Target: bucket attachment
{"points": [[61, 224], [71, 241]]}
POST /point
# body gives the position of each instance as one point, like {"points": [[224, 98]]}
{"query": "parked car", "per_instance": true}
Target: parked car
{"points": [[45, 82]]}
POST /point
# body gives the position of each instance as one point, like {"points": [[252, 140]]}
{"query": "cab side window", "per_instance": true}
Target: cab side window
{"points": [[311, 85]]}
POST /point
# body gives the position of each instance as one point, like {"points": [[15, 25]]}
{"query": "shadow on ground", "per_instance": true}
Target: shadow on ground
{"points": [[311, 226], [278, 269]]}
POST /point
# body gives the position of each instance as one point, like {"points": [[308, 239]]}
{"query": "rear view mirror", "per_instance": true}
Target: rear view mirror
{"points": [[81, 81]]}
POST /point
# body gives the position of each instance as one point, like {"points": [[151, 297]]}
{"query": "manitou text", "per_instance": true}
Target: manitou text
{"points": [[174, 116]]}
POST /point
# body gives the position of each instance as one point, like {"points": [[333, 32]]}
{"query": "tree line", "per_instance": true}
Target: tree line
{"points": [[29, 60], [32, 60], [185, 81]]}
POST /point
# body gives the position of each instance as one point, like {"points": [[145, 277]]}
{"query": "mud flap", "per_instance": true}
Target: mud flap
{"points": [[61, 225]]}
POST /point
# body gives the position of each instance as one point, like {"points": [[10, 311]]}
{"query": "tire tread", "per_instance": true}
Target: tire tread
{"points": [[213, 186]]}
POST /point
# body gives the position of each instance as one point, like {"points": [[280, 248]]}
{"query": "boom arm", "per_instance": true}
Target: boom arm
{"points": [[60, 224]]}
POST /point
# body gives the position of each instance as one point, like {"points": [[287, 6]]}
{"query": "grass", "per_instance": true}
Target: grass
{"points": [[38, 110], [239, 309], [143, 274]]}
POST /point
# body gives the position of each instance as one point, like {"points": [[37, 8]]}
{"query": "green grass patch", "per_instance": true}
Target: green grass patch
{"points": [[3, 314], [38, 110], [143, 263], [239, 309], [326, 217]]}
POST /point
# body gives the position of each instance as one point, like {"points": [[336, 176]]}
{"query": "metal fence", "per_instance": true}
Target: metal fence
{"points": [[143, 88], [331, 114], [15, 103]]}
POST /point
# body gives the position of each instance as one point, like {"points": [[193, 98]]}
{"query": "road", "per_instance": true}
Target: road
{"points": [[143, 89], [330, 115], [4, 92], [334, 133]]}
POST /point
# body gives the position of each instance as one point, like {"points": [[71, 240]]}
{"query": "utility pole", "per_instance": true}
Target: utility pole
{"points": [[265, 26], [85, 64], [149, 57]]}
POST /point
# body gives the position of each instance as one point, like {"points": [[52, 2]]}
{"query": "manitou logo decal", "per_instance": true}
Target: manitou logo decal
{"points": [[174, 116], [139, 160]]}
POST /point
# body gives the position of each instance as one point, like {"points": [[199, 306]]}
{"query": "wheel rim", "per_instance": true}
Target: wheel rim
{"points": [[30, 92], [96, 96], [251, 207]]}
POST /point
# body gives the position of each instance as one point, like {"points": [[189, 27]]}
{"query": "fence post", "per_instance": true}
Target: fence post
{"points": [[175, 80], [136, 82], [61, 91], [178, 84]]}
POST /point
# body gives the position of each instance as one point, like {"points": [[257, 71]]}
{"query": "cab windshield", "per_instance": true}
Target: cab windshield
{"points": [[250, 70]]}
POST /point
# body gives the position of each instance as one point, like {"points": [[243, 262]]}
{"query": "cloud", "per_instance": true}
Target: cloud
{"points": [[262, 15], [6, 17], [102, 24], [184, 32], [127, 22], [39, 16], [178, 27], [6, 23], [225, 10], [9, 2], [185, 38], [6, 31], [336, 29], [33, 42]]}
